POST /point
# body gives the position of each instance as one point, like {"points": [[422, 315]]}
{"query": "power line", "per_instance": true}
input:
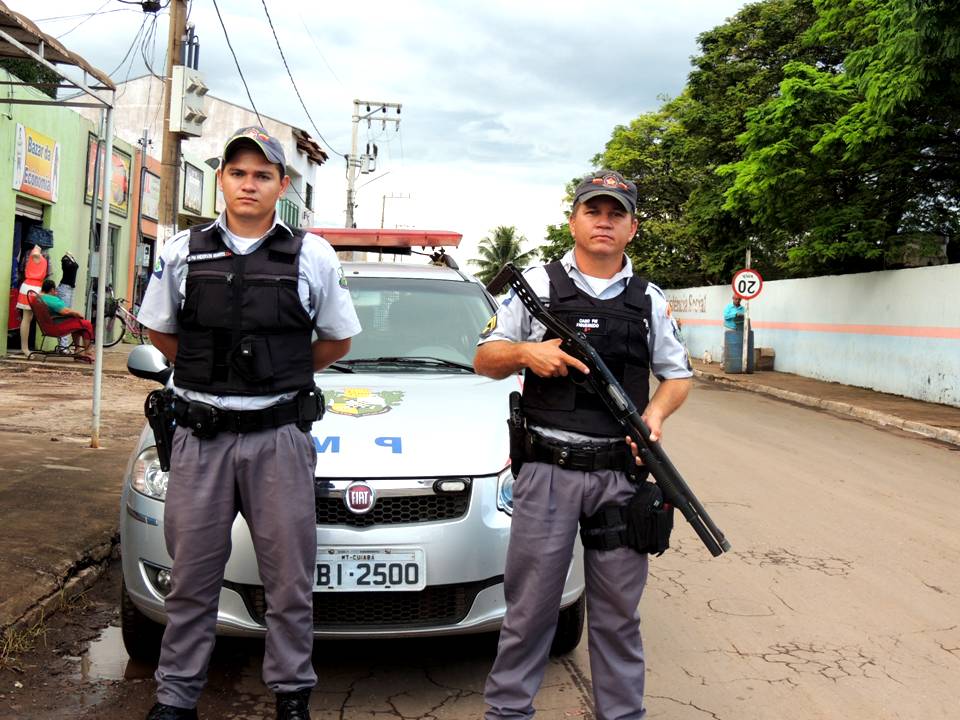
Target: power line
{"points": [[320, 52], [292, 82], [136, 39], [92, 15], [149, 39], [84, 15], [237, 62]]}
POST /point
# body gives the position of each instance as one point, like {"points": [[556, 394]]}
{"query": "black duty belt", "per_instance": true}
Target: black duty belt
{"points": [[206, 420], [586, 458]]}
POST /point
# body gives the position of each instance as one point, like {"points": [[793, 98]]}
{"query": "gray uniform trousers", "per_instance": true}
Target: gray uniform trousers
{"points": [[547, 504], [268, 476]]}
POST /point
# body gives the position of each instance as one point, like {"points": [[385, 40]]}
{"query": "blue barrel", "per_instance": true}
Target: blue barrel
{"points": [[733, 351]]}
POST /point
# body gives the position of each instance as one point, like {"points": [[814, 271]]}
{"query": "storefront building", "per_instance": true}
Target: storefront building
{"points": [[47, 158]]}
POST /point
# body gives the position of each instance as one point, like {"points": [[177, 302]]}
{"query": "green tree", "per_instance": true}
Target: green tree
{"points": [[854, 166], [686, 234], [558, 241], [501, 247], [30, 71]]}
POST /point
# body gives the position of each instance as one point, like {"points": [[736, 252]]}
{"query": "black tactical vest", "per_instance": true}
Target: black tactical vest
{"points": [[617, 329], [242, 327]]}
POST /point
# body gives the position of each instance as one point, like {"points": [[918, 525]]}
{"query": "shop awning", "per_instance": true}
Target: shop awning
{"points": [[21, 38]]}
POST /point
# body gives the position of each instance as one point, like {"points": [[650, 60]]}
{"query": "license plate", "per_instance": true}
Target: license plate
{"points": [[369, 570]]}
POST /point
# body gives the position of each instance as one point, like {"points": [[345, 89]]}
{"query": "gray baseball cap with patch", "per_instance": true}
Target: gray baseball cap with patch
{"points": [[607, 182], [262, 140]]}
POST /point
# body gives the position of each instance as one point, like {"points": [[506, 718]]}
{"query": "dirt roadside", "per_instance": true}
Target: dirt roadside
{"points": [[58, 497]]}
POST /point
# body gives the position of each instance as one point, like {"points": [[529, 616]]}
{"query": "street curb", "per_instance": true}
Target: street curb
{"points": [[79, 577], [74, 367], [933, 432]]}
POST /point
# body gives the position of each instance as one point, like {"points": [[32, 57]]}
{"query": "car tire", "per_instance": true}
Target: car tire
{"points": [[141, 635], [569, 627]]}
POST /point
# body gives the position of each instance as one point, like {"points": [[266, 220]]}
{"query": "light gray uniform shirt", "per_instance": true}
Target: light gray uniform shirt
{"points": [[668, 356], [321, 286]]}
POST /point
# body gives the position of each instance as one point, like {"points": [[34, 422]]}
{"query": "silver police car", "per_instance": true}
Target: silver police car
{"points": [[413, 485]]}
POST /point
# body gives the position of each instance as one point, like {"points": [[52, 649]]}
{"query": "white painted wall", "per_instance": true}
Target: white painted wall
{"points": [[896, 331]]}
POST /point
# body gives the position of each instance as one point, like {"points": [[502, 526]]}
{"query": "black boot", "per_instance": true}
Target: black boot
{"points": [[294, 705], [169, 712]]}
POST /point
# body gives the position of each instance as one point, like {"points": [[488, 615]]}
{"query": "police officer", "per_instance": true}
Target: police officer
{"points": [[234, 305], [626, 319]]}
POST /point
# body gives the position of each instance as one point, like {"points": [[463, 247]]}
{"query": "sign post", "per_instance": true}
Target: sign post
{"points": [[747, 285]]}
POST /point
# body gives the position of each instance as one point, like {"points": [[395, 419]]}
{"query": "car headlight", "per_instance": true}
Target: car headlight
{"points": [[505, 491], [146, 477]]}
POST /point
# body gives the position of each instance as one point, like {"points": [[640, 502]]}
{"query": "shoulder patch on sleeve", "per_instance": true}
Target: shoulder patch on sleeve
{"points": [[489, 327], [343, 278], [158, 267]]}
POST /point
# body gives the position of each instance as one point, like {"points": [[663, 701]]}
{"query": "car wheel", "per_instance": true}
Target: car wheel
{"points": [[569, 627], [141, 635]]}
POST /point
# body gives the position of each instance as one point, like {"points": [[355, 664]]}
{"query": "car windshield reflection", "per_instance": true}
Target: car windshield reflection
{"points": [[412, 324]]}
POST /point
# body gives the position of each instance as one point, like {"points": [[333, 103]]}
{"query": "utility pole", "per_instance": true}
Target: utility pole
{"points": [[143, 142], [745, 357], [365, 110], [170, 154], [383, 206]]}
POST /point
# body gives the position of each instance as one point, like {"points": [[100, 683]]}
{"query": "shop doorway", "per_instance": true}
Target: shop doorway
{"points": [[113, 240], [27, 231], [145, 260]]}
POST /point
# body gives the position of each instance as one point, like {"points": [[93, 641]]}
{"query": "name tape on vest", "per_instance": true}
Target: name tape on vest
{"points": [[201, 257]]}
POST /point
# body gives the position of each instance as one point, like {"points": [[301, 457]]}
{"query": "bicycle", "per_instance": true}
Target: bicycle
{"points": [[120, 322]]}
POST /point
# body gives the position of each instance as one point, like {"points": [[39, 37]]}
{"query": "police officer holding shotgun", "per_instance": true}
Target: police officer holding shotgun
{"points": [[235, 305], [576, 468]]}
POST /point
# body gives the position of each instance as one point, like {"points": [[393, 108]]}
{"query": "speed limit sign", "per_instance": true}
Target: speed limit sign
{"points": [[747, 284]]}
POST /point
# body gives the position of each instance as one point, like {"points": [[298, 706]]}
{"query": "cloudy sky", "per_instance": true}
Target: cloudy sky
{"points": [[503, 102]]}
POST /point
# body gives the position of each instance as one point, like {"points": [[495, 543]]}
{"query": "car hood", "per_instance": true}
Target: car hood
{"points": [[383, 425]]}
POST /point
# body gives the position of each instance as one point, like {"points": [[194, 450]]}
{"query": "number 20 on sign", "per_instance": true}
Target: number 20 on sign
{"points": [[747, 284]]}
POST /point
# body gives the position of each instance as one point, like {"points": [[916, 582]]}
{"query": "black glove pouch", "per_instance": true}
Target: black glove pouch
{"points": [[649, 520]]}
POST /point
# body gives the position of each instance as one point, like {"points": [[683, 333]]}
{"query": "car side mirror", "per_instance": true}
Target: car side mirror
{"points": [[146, 362]]}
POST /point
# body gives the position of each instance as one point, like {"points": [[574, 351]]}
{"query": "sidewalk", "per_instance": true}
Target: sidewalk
{"points": [[939, 422], [114, 361], [59, 499]]}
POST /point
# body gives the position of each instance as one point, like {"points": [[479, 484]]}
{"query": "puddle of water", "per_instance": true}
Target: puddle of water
{"points": [[106, 659]]}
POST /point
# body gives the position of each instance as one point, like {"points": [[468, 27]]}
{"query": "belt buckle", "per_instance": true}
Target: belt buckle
{"points": [[582, 460]]}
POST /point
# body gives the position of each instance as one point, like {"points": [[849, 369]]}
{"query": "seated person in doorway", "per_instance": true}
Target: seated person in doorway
{"points": [[67, 319], [733, 314]]}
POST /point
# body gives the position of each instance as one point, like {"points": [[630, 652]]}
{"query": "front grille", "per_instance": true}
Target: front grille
{"points": [[394, 510], [435, 605]]}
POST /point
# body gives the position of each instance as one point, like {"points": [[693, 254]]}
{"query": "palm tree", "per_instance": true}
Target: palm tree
{"points": [[496, 251]]}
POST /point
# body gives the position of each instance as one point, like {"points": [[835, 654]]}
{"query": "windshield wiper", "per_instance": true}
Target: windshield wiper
{"points": [[414, 360], [339, 367]]}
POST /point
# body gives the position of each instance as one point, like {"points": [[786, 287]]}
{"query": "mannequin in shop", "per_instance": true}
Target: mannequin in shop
{"points": [[34, 272], [68, 281]]}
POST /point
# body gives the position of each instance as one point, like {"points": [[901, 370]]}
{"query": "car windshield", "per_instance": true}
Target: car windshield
{"points": [[413, 324]]}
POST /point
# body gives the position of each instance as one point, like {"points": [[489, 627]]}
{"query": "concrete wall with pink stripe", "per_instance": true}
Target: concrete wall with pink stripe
{"points": [[896, 331]]}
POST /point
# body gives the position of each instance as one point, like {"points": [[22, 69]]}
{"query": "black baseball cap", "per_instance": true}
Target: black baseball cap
{"points": [[260, 139], [610, 183]]}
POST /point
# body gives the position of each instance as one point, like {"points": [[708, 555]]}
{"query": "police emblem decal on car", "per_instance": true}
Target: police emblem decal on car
{"points": [[359, 497], [360, 402]]}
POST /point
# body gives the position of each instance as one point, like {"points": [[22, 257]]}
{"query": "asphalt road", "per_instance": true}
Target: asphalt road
{"points": [[838, 600]]}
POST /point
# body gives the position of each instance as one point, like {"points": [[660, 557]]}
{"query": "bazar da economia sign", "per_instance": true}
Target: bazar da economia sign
{"points": [[36, 164]]}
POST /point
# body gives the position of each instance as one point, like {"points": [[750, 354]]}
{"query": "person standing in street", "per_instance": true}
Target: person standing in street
{"points": [[234, 305], [576, 466], [733, 314]]}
